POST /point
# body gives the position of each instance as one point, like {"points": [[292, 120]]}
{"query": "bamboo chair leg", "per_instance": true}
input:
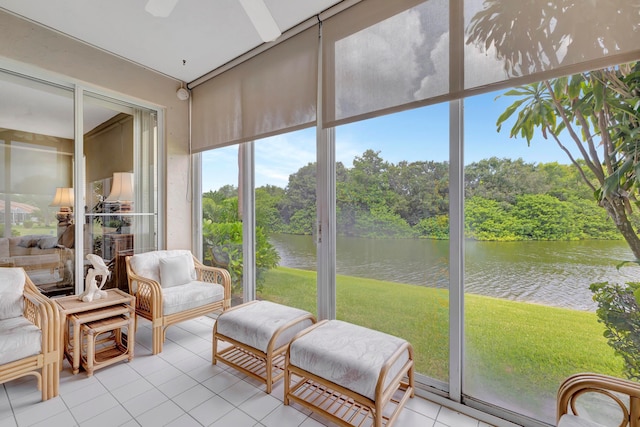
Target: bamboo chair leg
{"points": [[157, 339]]}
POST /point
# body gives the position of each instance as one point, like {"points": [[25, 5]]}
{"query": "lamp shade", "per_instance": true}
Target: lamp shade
{"points": [[121, 187], [63, 197]]}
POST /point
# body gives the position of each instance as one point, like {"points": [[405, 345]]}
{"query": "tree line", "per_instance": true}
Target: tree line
{"points": [[505, 200]]}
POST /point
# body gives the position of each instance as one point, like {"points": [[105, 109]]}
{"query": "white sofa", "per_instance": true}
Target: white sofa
{"points": [[171, 286], [48, 264]]}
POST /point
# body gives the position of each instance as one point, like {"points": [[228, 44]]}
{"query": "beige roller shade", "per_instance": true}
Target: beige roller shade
{"points": [[375, 55], [381, 56], [271, 93]]}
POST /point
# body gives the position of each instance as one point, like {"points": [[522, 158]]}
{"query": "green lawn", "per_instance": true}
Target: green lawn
{"points": [[23, 231], [514, 349]]}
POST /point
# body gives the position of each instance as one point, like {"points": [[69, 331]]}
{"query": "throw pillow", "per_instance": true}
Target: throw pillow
{"points": [[175, 271], [27, 242], [48, 242], [11, 292]]}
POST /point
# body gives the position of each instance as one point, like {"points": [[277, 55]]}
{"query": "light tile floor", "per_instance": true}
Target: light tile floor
{"points": [[179, 387]]}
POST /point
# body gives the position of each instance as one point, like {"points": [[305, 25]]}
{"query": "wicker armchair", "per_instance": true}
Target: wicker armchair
{"points": [[29, 333], [615, 391], [171, 286]]}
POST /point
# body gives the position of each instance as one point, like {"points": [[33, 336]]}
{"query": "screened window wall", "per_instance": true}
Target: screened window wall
{"points": [[392, 220], [222, 226], [424, 198], [285, 214]]}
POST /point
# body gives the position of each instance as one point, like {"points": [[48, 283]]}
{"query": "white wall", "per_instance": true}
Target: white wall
{"points": [[25, 44]]}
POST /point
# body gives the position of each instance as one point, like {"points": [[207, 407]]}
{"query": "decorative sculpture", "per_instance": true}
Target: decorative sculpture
{"points": [[91, 289]]}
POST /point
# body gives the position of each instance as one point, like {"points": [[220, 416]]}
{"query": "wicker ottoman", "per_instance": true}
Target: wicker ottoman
{"points": [[349, 374], [259, 333]]}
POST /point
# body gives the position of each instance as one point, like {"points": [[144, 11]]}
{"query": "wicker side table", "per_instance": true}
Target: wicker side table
{"points": [[102, 342], [75, 346], [74, 313]]}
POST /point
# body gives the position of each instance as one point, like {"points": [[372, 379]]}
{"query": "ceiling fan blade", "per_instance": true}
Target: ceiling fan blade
{"points": [[262, 19], [160, 8]]}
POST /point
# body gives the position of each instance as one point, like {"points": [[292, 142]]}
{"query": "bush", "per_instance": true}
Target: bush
{"points": [[618, 310], [225, 240]]}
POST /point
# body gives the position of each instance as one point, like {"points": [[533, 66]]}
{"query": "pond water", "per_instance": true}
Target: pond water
{"points": [[551, 273]]}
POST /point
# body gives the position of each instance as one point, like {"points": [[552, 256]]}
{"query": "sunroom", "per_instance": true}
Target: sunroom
{"points": [[335, 166]]}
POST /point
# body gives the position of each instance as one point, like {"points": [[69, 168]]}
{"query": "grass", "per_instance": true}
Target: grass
{"points": [[513, 350], [23, 231]]}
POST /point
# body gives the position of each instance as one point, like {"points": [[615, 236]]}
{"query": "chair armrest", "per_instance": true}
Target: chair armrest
{"points": [[577, 385], [43, 313], [35, 311], [148, 292], [218, 275]]}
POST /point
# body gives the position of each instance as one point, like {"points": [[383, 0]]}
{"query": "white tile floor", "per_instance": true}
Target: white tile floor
{"points": [[179, 387]]}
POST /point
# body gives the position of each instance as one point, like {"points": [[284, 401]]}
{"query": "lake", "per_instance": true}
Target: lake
{"points": [[550, 273]]}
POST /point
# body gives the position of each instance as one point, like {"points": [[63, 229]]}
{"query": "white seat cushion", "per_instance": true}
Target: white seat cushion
{"points": [[194, 294], [348, 355], [569, 420], [254, 324], [11, 292], [20, 339]]}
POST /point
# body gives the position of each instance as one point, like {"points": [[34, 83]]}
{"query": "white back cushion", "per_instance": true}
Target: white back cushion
{"points": [[148, 264], [11, 292], [176, 270]]}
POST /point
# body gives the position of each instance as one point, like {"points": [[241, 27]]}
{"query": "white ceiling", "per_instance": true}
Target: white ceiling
{"points": [[197, 37]]}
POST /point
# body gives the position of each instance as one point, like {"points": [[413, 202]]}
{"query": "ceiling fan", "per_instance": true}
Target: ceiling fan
{"points": [[257, 11]]}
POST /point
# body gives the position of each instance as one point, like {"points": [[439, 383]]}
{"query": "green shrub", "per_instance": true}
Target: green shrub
{"points": [[618, 310], [225, 240]]}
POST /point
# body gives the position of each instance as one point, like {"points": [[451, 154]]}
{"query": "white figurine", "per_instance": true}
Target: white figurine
{"points": [[91, 289]]}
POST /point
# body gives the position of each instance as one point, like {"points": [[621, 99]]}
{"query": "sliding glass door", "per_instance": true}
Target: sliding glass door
{"points": [[120, 182], [43, 181], [36, 182]]}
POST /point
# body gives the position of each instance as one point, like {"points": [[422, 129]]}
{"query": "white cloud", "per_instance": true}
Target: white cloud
{"points": [[279, 156], [367, 73], [481, 67], [437, 83]]}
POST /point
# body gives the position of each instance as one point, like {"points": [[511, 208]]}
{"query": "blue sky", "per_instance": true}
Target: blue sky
{"points": [[419, 134]]}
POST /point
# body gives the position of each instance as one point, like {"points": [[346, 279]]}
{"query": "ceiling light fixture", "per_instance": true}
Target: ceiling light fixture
{"points": [[262, 19], [182, 94]]}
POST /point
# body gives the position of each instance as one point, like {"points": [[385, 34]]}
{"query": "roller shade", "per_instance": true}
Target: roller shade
{"points": [[381, 57], [271, 93], [514, 39], [376, 54]]}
